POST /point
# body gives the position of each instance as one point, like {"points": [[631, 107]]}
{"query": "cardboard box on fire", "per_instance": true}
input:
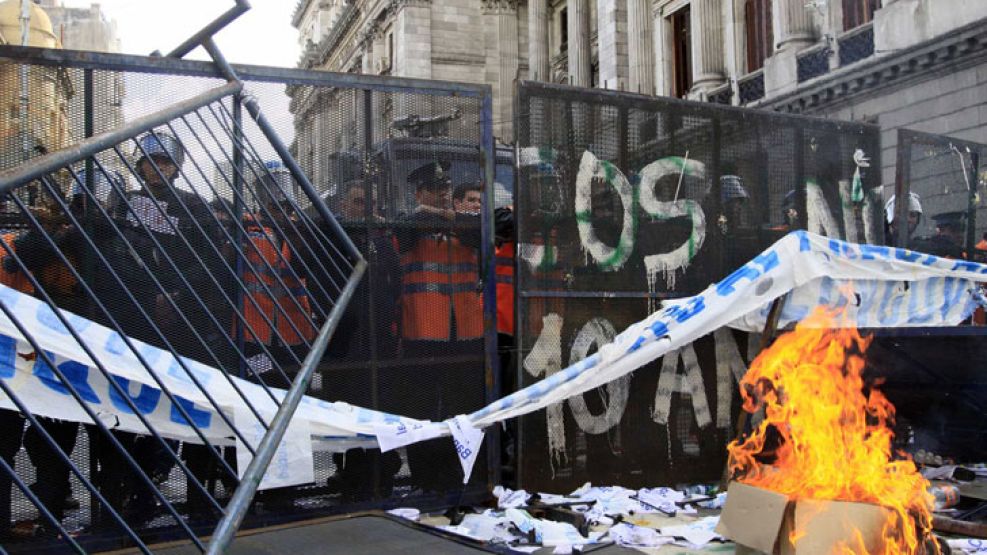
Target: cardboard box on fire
{"points": [[762, 521]]}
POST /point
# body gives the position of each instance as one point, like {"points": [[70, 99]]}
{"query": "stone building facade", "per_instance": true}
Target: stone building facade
{"points": [[89, 29], [915, 63]]}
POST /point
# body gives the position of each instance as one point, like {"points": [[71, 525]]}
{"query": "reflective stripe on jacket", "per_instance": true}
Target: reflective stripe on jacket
{"points": [[504, 274], [439, 283], [265, 267], [16, 280]]}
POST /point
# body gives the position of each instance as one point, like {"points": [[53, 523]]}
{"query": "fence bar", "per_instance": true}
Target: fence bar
{"points": [[206, 33], [237, 508], [52, 162], [253, 108]]}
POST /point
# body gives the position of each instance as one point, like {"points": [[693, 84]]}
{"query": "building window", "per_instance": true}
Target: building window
{"points": [[760, 36], [858, 12], [681, 53], [563, 28]]}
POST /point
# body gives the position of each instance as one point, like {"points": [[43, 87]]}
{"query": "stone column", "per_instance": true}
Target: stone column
{"points": [[707, 44], [611, 17], [500, 22], [413, 39], [795, 24], [641, 45], [580, 63], [538, 64]]}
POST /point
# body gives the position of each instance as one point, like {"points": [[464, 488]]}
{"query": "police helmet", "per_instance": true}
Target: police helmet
{"points": [[279, 183], [732, 188], [914, 205], [160, 144]]}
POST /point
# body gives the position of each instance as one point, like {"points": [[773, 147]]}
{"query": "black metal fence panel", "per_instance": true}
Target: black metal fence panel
{"points": [[195, 240], [943, 179], [623, 201], [932, 375]]}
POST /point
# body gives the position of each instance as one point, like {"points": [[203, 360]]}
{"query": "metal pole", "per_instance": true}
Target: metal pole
{"points": [[54, 161], [901, 187], [488, 157], [296, 171], [237, 508], [206, 33]]}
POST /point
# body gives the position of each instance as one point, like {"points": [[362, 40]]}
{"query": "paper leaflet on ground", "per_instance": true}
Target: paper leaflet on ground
{"points": [[937, 294]]}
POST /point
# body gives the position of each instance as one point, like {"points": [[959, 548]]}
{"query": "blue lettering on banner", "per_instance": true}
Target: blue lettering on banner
{"points": [[804, 245], [463, 451], [10, 297], [145, 401], [873, 252], [952, 294], [201, 418], [176, 371], [76, 374], [907, 255], [726, 286], [968, 266], [885, 316], [915, 314], [46, 316], [843, 249], [8, 357], [683, 314], [867, 292], [114, 344], [825, 290], [768, 261], [930, 260]]}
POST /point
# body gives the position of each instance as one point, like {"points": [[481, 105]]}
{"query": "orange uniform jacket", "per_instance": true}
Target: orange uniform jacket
{"points": [[439, 283], [504, 270], [266, 267]]}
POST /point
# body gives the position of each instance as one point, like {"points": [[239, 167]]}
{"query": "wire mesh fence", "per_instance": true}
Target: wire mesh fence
{"points": [[942, 178], [624, 201], [191, 274]]}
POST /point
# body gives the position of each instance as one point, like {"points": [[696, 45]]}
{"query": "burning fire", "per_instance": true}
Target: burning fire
{"points": [[826, 433]]}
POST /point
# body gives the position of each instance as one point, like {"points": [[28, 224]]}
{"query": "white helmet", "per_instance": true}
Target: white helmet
{"points": [[502, 195], [914, 205], [279, 183]]}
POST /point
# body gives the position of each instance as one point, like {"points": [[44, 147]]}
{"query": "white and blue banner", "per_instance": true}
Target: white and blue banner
{"points": [[878, 287]]}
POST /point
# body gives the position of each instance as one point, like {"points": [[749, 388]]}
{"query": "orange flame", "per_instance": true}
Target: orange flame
{"points": [[826, 433]]}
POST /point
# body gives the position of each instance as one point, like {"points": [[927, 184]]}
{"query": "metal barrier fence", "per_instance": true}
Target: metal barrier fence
{"points": [[942, 178], [625, 200], [200, 250], [932, 375]]}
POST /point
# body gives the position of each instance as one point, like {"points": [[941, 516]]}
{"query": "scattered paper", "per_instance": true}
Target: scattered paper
{"points": [[467, 440], [630, 535], [395, 435], [697, 534], [510, 499], [968, 545], [409, 513]]}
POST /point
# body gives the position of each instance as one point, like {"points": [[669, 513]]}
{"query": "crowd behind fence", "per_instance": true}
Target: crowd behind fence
{"points": [[194, 249]]}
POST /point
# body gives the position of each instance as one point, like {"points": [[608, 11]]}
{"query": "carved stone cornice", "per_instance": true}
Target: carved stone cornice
{"points": [[498, 7], [958, 48], [398, 4]]}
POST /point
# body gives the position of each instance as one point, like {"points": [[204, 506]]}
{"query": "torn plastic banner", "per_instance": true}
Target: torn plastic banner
{"points": [[331, 426], [800, 261], [938, 293]]}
